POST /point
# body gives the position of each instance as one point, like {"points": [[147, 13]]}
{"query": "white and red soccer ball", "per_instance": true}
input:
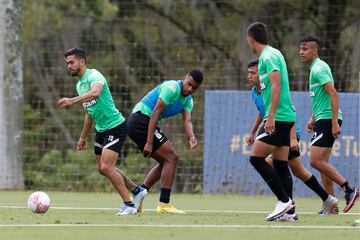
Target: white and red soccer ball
{"points": [[39, 202]]}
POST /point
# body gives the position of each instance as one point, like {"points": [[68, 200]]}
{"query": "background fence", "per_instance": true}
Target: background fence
{"points": [[136, 44]]}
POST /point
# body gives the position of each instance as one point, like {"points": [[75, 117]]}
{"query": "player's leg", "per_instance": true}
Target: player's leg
{"points": [[320, 150], [330, 203], [328, 184], [166, 155]]}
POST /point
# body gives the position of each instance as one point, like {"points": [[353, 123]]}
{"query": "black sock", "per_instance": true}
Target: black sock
{"points": [[314, 185], [165, 195], [346, 187], [282, 169], [270, 176], [136, 190], [129, 204], [143, 186]]}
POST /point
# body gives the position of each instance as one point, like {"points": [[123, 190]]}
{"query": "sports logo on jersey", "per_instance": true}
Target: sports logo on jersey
{"points": [[262, 85], [89, 104], [111, 138], [311, 93]]}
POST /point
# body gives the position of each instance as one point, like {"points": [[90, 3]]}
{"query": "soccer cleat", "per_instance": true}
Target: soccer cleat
{"points": [[329, 206], [127, 210], [280, 209], [288, 218], [350, 199], [167, 208], [139, 198]]}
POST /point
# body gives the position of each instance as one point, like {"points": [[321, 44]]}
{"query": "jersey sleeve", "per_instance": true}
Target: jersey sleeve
{"points": [[271, 64], [96, 77], [323, 75], [169, 92], [189, 104]]}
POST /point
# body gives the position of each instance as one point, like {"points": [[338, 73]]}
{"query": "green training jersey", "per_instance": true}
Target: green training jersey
{"points": [[102, 110], [320, 73], [271, 60]]}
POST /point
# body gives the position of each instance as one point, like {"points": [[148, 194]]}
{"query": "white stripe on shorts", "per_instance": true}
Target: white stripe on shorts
{"points": [[98, 145], [261, 136], [316, 139], [111, 143]]}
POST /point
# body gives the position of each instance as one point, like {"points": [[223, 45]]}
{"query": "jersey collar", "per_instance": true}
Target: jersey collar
{"points": [[313, 62], [86, 74]]}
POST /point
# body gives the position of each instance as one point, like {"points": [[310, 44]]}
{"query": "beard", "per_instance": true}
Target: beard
{"points": [[75, 72]]}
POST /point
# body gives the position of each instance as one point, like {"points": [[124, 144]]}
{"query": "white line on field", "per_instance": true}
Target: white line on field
{"points": [[194, 211], [180, 226]]}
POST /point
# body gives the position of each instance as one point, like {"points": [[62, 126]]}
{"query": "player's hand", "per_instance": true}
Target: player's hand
{"points": [[310, 125], [270, 125], [81, 144], [193, 142], [250, 139], [64, 102], [294, 144], [336, 130], [148, 149]]}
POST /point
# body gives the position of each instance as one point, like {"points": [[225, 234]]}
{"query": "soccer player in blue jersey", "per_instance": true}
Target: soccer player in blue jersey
{"points": [[329, 202], [166, 100]]}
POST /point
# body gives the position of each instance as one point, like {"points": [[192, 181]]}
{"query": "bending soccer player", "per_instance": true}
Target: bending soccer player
{"points": [[111, 129], [274, 136], [166, 100], [297, 168], [325, 122]]}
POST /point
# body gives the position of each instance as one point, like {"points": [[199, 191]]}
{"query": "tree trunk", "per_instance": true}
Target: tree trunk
{"points": [[11, 95]]}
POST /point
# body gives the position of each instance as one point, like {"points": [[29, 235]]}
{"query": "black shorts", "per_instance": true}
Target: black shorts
{"points": [[280, 138], [322, 133], [293, 154], [111, 139], [137, 130]]}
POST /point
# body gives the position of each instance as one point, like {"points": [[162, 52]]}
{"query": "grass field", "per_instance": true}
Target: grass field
{"points": [[92, 216]]}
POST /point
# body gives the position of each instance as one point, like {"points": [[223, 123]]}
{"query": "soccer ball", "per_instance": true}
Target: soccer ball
{"points": [[39, 202]]}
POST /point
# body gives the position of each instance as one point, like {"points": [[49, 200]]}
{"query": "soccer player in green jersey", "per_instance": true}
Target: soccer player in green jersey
{"points": [[329, 205], [326, 119], [110, 125], [274, 136], [168, 99]]}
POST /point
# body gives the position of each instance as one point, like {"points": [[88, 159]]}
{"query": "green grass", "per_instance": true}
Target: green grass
{"points": [[222, 217]]}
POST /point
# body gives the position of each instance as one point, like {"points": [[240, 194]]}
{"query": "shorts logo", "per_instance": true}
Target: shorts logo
{"points": [[158, 135], [111, 138]]}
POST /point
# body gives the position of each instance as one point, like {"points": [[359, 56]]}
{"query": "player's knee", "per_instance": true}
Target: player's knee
{"points": [[173, 159], [314, 163], [104, 169]]}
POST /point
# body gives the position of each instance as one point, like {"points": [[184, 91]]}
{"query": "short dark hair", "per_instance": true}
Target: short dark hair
{"points": [[310, 38], [78, 52], [197, 75], [258, 32], [253, 63]]}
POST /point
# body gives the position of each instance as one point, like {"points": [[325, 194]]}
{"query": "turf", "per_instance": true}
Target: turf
{"points": [[92, 216]]}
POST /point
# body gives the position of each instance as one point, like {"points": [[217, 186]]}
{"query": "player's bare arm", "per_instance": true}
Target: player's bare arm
{"points": [[96, 89], [294, 144], [188, 128], [88, 122], [310, 123], [158, 109], [334, 101], [251, 138], [275, 98]]}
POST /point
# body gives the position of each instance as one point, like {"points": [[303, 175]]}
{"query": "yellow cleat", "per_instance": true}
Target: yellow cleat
{"points": [[167, 208]]}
